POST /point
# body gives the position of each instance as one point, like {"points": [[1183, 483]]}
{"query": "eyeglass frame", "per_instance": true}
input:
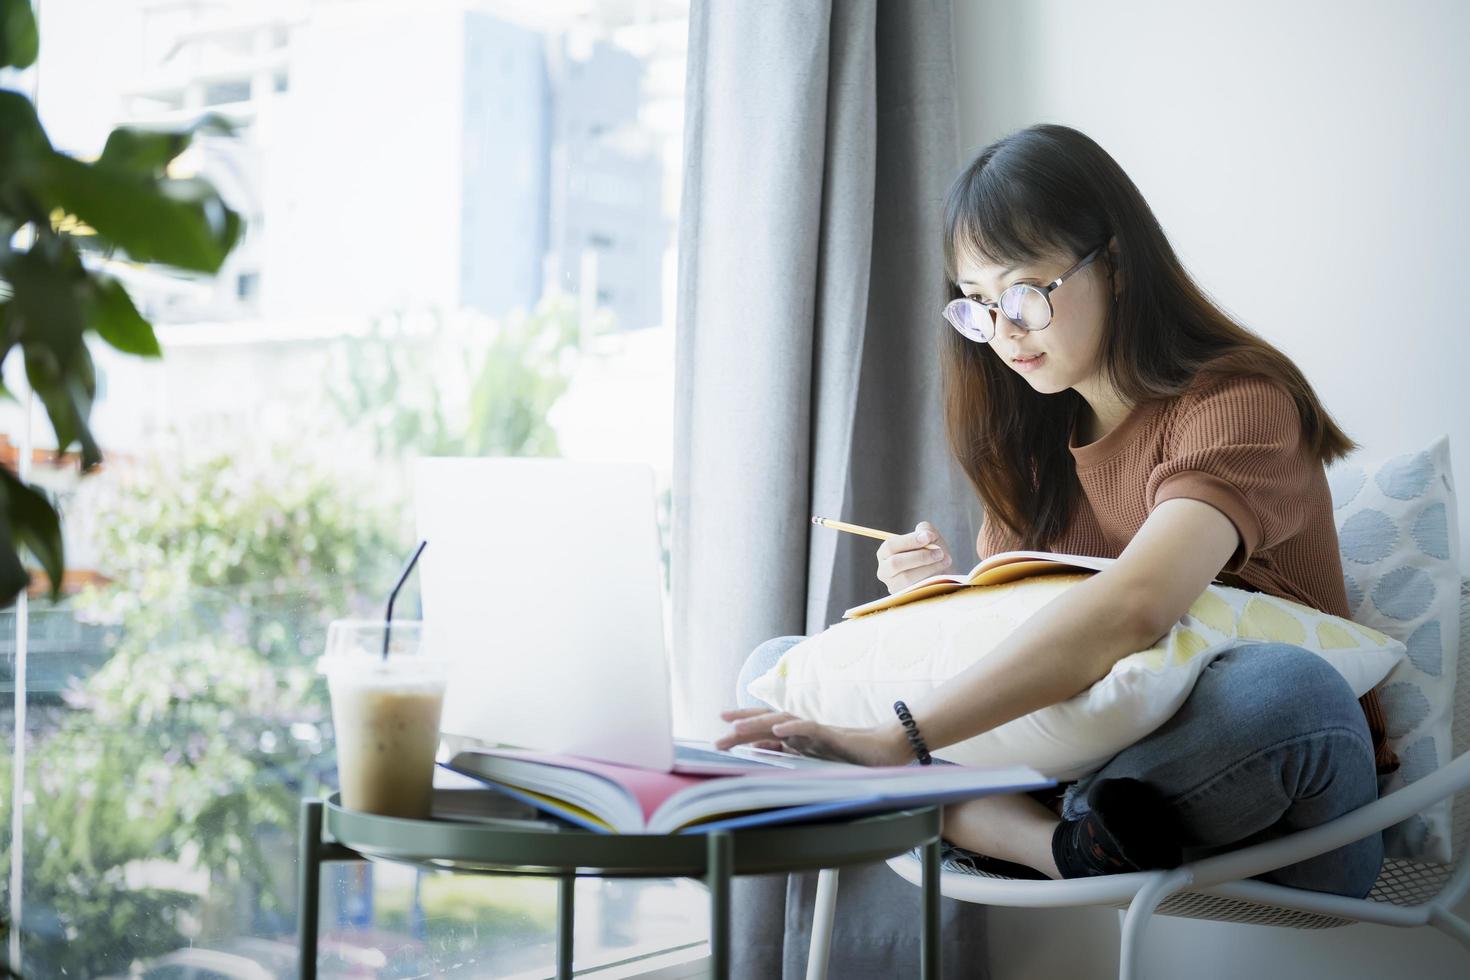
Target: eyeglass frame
{"points": [[995, 307]]}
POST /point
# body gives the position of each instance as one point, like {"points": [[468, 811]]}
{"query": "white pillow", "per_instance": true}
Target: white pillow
{"points": [[851, 673], [1398, 532]]}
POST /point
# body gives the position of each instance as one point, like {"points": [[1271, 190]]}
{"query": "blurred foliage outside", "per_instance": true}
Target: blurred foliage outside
{"points": [[207, 724], [187, 752], [471, 387], [473, 902]]}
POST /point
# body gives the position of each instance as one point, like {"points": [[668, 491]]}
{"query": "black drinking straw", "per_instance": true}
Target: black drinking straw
{"points": [[393, 596]]}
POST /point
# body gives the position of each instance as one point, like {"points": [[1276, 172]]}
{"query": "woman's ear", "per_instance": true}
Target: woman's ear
{"points": [[1115, 273]]}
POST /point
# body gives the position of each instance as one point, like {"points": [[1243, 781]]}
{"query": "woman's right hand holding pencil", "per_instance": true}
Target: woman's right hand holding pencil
{"points": [[908, 558]]}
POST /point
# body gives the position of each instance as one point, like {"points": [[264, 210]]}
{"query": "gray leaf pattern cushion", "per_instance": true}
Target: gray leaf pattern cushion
{"points": [[1398, 535]]}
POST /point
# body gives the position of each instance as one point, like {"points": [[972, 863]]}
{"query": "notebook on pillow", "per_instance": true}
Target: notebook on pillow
{"points": [[1006, 566]]}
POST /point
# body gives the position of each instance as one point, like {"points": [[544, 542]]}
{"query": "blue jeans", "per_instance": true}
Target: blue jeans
{"points": [[1269, 742]]}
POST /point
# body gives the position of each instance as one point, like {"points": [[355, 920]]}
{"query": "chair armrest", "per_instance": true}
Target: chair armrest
{"points": [[1401, 804]]}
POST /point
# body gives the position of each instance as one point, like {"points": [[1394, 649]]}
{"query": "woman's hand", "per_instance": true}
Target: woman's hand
{"points": [[910, 558], [883, 746]]}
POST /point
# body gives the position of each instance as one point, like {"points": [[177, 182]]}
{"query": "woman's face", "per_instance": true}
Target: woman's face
{"points": [[1064, 354]]}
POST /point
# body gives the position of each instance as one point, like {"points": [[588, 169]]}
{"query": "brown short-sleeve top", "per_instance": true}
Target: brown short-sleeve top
{"points": [[1236, 445]]}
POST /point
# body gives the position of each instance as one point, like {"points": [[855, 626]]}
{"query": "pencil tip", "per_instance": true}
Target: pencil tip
{"points": [[816, 520]]}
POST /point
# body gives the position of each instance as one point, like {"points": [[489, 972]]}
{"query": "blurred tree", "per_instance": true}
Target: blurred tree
{"points": [[482, 389], [208, 723]]}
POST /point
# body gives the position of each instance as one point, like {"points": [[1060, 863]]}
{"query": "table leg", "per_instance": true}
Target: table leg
{"points": [[929, 939], [718, 864], [309, 868], [566, 893]]}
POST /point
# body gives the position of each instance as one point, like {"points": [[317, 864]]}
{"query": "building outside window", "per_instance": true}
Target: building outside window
{"points": [[461, 226]]}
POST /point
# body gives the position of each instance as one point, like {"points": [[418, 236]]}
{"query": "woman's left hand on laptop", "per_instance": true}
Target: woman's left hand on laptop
{"points": [[882, 746]]}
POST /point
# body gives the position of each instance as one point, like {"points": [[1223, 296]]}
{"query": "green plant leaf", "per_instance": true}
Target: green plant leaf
{"points": [[7, 339], [181, 223], [43, 374], [81, 389], [24, 151], [111, 311], [49, 284], [34, 523], [19, 42], [66, 390], [13, 575], [47, 299], [147, 152]]}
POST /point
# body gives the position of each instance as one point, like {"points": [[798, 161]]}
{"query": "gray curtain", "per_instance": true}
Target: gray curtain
{"points": [[820, 139]]}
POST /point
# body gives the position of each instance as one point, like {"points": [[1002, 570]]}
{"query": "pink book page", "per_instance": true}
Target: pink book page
{"points": [[649, 788]]}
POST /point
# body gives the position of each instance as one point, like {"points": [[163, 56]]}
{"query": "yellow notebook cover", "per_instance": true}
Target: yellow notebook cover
{"points": [[1006, 566]]}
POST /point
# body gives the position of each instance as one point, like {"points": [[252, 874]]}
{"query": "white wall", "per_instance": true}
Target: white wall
{"points": [[1309, 162]]}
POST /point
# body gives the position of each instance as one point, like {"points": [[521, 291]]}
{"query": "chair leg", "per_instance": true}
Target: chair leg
{"points": [[824, 911], [1140, 910], [1451, 925]]}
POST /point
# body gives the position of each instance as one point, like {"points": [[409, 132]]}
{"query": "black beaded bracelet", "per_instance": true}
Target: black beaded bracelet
{"points": [[911, 729]]}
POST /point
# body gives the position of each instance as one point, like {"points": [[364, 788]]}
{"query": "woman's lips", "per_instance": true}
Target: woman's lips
{"points": [[1029, 364]]}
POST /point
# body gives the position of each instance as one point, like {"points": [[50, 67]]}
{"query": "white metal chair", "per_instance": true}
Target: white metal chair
{"points": [[1407, 893]]}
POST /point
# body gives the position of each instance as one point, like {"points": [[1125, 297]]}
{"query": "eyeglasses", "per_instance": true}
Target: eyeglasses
{"points": [[1023, 304]]}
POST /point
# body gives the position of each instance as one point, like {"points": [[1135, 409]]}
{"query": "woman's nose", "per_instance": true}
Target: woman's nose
{"points": [[1006, 327]]}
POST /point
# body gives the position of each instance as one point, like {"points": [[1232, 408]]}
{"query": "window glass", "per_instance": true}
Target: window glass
{"points": [[460, 240]]}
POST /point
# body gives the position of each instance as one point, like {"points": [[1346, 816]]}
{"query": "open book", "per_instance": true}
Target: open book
{"points": [[1005, 566], [610, 798]]}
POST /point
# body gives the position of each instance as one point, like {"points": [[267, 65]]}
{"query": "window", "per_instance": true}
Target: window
{"points": [[222, 93], [247, 284], [412, 283]]}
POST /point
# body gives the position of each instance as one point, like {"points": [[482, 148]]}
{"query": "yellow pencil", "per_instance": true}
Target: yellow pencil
{"points": [[866, 532]]}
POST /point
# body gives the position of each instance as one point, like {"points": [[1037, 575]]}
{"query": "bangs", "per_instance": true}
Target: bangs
{"points": [[994, 217]]}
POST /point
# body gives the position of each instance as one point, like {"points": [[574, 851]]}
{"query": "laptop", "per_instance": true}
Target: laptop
{"points": [[541, 586]]}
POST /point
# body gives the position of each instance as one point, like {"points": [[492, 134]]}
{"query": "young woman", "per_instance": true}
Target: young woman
{"points": [[1101, 404]]}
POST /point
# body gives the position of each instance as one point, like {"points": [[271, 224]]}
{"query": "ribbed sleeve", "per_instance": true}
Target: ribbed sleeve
{"points": [[1238, 447]]}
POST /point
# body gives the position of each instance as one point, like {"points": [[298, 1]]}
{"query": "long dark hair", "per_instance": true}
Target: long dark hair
{"points": [[1050, 189]]}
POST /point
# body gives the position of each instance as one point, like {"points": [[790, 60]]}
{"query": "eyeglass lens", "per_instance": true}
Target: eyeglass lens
{"points": [[1021, 303], [972, 319], [1027, 306]]}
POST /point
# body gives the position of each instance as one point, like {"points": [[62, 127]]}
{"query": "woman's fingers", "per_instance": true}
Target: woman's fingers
{"points": [[907, 558], [810, 738], [754, 727], [762, 723], [899, 580], [730, 714], [925, 558], [919, 537]]}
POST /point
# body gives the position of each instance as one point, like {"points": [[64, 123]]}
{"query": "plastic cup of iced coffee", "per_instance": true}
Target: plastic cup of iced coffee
{"points": [[385, 713]]}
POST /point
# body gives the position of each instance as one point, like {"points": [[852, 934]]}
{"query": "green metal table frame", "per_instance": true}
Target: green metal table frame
{"points": [[331, 833]]}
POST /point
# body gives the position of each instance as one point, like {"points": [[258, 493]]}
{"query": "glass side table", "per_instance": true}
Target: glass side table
{"points": [[331, 833]]}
